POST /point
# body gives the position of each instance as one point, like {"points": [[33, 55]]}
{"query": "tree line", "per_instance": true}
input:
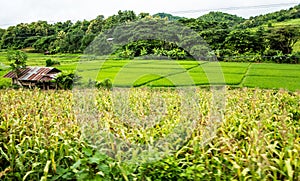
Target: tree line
{"points": [[230, 38]]}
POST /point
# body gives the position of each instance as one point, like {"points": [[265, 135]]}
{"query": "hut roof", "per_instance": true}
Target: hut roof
{"points": [[34, 74]]}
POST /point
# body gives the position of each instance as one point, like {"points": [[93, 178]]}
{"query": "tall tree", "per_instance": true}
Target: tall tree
{"points": [[96, 25], [283, 38], [18, 61], [241, 41]]}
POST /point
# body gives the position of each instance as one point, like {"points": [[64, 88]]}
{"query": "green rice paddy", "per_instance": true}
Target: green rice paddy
{"points": [[170, 73]]}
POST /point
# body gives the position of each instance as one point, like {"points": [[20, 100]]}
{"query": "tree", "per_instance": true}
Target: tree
{"points": [[260, 40], [143, 15], [215, 37], [96, 25], [168, 16], [105, 84], [18, 61], [8, 38], [241, 41], [283, 39], [44, 43], [50, 62], [66, 80], [60, 44], [2, 31], [73, 40], [121, 18]]}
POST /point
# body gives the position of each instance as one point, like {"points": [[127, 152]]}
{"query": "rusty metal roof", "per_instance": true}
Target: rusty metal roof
{"points": [[34, 74]]}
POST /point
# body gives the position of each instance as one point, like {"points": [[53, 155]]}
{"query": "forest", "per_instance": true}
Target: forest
{"points": [[264, 38]]}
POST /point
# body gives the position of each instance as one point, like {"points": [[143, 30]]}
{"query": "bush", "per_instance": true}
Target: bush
{"points": [[66, 80], [294, 58], [269, 55], [246, 57], [106, 84], [278, 57], [50, 63], [125, 54], [5, 83]]}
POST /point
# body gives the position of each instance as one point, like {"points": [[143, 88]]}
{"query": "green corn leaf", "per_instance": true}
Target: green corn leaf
{"points": [[289, 169], [27, 174], [4, 154]]}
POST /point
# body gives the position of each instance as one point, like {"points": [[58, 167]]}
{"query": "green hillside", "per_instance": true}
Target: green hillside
{"points": [[294, 23], [264, 38], [278, 16], [220, 17], [291, 22]]}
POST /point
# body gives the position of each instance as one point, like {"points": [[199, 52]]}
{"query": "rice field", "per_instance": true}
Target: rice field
{"points": [[168, 73]]}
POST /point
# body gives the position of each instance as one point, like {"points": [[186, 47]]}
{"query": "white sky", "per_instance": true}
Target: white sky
{"points": [[13, 12]]}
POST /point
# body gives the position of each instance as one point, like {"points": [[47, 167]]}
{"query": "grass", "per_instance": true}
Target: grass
{"points": [[291, 22], [166, 73]]}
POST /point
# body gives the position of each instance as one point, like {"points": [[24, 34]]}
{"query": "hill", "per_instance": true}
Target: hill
{"points": [[278, 16], [221, 17], [227, 35]]}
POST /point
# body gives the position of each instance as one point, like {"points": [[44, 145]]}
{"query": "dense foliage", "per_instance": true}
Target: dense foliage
{"points": [[66, 80], [269, 18], [40, 138], [50, 63], [228, 35], [168, 16], [18, 60]]}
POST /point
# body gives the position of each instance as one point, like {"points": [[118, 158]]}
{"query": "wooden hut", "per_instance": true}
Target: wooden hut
{"points": [[42, 77]]}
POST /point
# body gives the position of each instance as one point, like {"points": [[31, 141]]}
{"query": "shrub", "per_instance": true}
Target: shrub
{"points": [[66, 80], [106, 84], [50, 62]]}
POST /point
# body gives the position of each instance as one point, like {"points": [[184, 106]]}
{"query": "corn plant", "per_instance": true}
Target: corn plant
{"points": [[42, 137]]}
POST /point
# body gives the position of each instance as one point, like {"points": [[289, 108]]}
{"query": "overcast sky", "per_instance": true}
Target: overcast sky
{"points": [[13, 12]]}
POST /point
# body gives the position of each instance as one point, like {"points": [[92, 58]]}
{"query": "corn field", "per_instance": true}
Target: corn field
{"points": [[41, 137]]}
